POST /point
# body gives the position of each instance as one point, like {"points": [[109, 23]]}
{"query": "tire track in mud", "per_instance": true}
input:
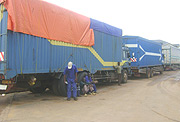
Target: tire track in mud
{"points": [[164, 116], [161, 84], [161, 78]]}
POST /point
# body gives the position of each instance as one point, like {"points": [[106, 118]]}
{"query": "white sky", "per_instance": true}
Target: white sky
{"points": [[151, 19]]}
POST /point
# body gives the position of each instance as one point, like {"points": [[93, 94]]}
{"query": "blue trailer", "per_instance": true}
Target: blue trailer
{"points": [[145, 55], [36, 63]]}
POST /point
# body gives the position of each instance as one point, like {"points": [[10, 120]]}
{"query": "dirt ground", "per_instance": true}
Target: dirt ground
{"points": [[140, 100]]}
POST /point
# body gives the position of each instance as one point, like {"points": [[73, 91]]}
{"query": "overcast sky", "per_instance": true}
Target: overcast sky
{"points": [[151, 19]]}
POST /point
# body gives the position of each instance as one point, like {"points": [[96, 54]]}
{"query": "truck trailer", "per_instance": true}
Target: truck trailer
{"points": [[171, 56], [145, 55], [38, 39]]}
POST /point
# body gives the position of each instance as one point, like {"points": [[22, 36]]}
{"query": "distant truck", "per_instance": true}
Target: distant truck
{"points": [[37, 42], [171, 56], [145, 55]]}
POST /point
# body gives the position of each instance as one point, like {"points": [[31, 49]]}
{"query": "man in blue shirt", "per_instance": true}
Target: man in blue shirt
{"points": [[89, 80], [70, 74]]}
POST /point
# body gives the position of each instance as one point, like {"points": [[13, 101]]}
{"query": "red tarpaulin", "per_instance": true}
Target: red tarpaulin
{"points": [[39, 18]]}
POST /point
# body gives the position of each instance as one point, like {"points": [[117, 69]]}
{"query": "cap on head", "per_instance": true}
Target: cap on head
{"points": [[70, 65]]}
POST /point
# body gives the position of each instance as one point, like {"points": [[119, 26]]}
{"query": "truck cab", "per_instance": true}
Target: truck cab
{"points": [[126, 67]]}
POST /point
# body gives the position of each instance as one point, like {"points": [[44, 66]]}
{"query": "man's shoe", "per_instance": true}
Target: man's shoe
{"points": [[85, 95], [68, 99], [75, 98]]}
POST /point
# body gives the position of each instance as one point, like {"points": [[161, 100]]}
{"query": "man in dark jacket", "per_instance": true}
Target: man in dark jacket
{"points": [[118, 70]]}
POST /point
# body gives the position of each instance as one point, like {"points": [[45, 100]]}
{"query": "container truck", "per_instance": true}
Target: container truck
{"points": [[38, 39], [145, 55], [171, 56]]}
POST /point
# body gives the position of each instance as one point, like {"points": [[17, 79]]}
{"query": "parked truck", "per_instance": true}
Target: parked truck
{"points": [[38, 39], [145, 55], [171, 56]]}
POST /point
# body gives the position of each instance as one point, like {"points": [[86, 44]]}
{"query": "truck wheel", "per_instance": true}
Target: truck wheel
{"points": [[62, 87], [81, 76], [148, 73], [124, 76], [55, 87], [161, 72], [37, 90], [151, 73]]}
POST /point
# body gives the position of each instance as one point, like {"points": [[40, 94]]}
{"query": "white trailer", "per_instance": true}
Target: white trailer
{"points": [[171, 56]]}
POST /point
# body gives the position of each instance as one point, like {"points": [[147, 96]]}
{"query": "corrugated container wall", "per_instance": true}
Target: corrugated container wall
{"points": [[30, 54]]}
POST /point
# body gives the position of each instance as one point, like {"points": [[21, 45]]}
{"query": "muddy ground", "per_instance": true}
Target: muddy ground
{"points": [[140, 100]]}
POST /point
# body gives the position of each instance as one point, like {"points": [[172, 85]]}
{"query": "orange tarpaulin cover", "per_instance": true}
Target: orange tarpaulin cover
{"points": [[39, 18]]}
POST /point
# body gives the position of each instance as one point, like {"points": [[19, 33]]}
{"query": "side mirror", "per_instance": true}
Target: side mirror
{"points": [[132, 54]]}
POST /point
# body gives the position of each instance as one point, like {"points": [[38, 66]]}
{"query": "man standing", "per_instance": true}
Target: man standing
{"points": [[118, 70], [70, 74]]}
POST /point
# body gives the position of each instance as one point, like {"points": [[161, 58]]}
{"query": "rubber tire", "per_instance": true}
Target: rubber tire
{"points": [[55, 87], [79, 76], [148, 73], [161, 72], [62, 87], [82, 75], [37, 90], [151, 73], [124, 76]]}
